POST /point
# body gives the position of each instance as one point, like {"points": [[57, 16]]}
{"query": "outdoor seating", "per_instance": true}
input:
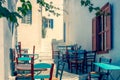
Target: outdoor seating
{"points": [[89, 59], [12, 61], [25, 58], [38, 75], [76, 60], [21, 51], [59, 71], [100, 73], [26, 70], [55, 51]]}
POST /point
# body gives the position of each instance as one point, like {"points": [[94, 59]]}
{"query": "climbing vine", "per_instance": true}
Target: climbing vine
{"points": [[24, 8]]}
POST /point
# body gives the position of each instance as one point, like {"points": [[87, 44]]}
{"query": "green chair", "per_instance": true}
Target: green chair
{"points": [[59, 70], [100, 74], [37, 75]]}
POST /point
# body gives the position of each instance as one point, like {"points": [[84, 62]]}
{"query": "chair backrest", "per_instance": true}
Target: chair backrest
{"points": [[59, 70], [33, 50], [89, 59], [104, 60], [12, 59], [19, 48], [25, 59], [42, 66], [90, 56]]}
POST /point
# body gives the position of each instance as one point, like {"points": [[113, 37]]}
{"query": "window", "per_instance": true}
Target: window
{"points": [[101, 30], [44, 22], [51, 24], [28, 18], [64, 35], [47, 23]]}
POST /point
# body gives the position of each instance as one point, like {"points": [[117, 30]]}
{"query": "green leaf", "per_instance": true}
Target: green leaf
{"points": [[5, 12], [22, 0], [97, 8], [98, 13], [90, 8], [87, 3], [16, 14], [82, 2], [108, 14], [13, 18], [0, 3], [24, 6], [29, 5]]}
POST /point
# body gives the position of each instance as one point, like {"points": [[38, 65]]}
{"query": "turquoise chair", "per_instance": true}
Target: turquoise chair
{"points": [[59, 70], [36, 75], [101, 73]]}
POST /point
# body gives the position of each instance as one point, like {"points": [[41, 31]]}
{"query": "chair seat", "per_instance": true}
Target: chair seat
{"points": [[53, 78], [101, 73], [74, 61], [41, 76], [94, 74]]}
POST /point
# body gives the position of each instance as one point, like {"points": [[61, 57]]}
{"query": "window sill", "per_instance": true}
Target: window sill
{"points": [[103, 52]]}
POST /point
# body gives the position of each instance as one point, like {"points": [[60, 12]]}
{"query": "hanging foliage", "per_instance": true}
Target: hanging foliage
{"points": [[4, 12], [24, 8], [91, 7]]}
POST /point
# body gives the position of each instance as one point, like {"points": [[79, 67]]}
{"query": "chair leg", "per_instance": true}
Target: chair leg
{"points": [[70, 67], [76, 68]]}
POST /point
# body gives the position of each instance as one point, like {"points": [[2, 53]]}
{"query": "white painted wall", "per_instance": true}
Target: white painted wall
{"points": [[2, 50], [78, 23], [79, 26], [57, 31], [5, 43], [30, 35]]}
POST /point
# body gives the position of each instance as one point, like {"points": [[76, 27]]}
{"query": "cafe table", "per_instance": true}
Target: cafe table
{"points": [[30, 55], [109, 67], [27, 67]]}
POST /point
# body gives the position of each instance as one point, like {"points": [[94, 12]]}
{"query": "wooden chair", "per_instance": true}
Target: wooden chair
{"points": [[12, 61], [20, 50], [89, 59], [42, 76], [25, 59], [59, 71], [100, 73], [22, 74], [55, 51], [76, 61]]}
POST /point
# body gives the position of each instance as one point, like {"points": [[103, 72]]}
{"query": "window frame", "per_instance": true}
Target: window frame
{"points": [[27, 19], [101, 30]]}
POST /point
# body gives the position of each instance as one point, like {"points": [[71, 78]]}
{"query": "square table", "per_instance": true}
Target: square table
{"points": [[109, 67]]}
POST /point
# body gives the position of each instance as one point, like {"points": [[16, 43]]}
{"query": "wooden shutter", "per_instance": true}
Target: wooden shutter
{"points": [[94, 34], [107, 11], [108, 26]]}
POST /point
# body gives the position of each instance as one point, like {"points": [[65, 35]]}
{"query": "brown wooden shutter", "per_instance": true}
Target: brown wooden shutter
{"points": [[108, 41], [94, 34], [107, 11]]}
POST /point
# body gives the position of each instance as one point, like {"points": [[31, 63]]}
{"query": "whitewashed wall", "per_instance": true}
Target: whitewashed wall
{"points": [[5, 45], [30, 35], [6, 38], [57, 31], [79, 24]]}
